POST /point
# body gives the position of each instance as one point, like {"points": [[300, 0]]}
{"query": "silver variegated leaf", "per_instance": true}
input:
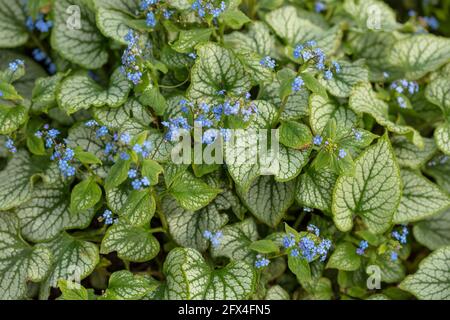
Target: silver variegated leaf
{"points": [[82, 92], [420, 198], [19, 261], [75, 35], [431, 281], [47, 213], [373, 193], [132, 243]]}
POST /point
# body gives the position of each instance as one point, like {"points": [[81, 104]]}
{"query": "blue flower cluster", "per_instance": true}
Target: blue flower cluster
{"points": [[16, 64], [121, 145], [205, 8], [174, 126], [39, 24], [403, 85], [213, 237], [118, 144], [210, 116], [9, 145], [401, 236], [310, 54], [138, 181], [153, 8], [261, 262], [310, 246], [317, 140], [297, 84], [363, 245], [130, 58], [394, 256], [268, 62], [41, 56], [108, 217], [341, 153], [61, 153], [432, 22]]}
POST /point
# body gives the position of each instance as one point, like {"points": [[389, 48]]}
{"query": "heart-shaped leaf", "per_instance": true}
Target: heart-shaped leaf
{"points": [[75, 35], [189, 277], [19, 261], [135, 244], [430, 282], [47, 213], [82, 92], [420, 198], [373, 193], [217, 69]]}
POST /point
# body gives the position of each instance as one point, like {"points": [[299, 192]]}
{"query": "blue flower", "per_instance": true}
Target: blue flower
{"points": [[192, 55], [137, 148], [91, 123], [132, 173], [226, 134], [53, 133], [125, 138], [295, 253], [150, 19], [401, 237], [261, 262], [9, 144], [363, 245], [101, 132], [68, 154], [358, 134], [205, 7], [174, 125], [432, 22], [267, 62], [308, 248], [38, 55], [213, 237], [401, 102], [319, 7], [136, 184], [328, 75], [207, 234], [323, 248], [298, 51], [42, 25], [108, 217], [210, 136], [14, 65], [337, 66], [342, 153], [313, 229], [124, 156], [145, 182], [66, 169], [394, 256], [297, 84], [288, 241], [317, 140]]}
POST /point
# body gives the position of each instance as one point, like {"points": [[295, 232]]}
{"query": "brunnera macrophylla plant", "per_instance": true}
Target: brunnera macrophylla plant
{"points": [[133, 134]]}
